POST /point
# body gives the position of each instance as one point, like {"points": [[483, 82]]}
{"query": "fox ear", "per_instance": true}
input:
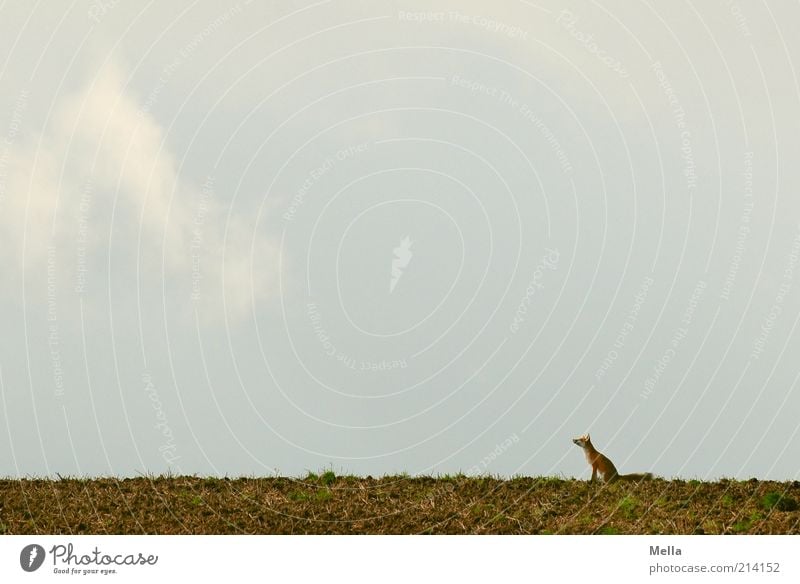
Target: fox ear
{"points": [[587, 436]]}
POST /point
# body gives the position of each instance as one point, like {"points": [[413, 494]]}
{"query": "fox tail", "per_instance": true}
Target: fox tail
{"points": [[639, 476]]}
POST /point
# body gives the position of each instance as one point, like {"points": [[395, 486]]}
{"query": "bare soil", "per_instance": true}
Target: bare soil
{"points": [[327, 504]]}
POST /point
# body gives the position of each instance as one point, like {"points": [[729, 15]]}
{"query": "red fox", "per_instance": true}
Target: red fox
{"points": [[601, 464]]}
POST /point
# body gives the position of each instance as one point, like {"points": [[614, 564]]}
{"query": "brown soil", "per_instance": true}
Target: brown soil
{"points": [[397, 505]]}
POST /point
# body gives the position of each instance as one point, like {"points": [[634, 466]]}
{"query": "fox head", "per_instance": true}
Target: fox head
{"points": [[583, 441]]}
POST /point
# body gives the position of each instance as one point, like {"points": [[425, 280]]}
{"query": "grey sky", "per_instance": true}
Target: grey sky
{"points": [[399, 236]]}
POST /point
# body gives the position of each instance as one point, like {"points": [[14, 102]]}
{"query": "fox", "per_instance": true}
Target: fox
{"points": [[602, 465]]}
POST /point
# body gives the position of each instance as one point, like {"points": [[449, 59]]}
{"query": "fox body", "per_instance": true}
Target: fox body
{"points": [[602, 465]]}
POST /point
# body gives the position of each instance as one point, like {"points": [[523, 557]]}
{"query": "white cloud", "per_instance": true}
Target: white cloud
{"points": [[99, 136]]}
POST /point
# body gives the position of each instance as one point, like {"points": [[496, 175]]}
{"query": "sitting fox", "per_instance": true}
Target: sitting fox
{"points": [[601, 464]]}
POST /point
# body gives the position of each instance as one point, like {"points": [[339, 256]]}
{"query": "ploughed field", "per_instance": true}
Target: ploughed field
{"points": [[327, 504]]}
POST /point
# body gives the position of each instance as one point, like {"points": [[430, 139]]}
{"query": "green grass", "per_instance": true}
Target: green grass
{"points": [[629, 505], [298, 496], [776, 501], [322, 496]]}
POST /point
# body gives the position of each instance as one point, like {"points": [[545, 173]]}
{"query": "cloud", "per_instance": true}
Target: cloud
{"points": [[99, 150]]}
